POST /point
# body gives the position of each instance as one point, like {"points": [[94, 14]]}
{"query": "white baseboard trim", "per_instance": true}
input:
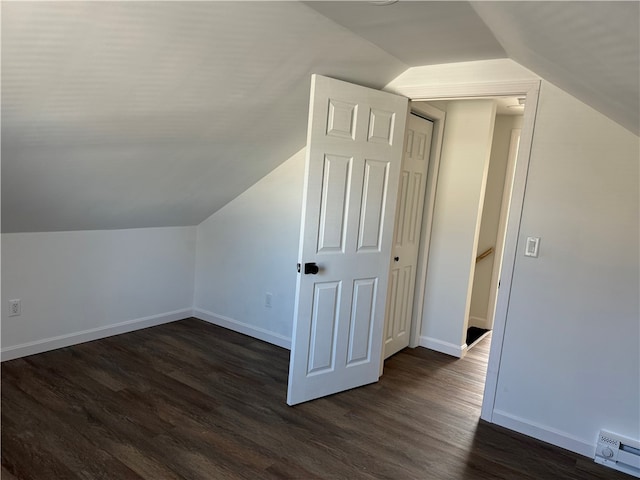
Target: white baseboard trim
{"points": [[544, 433], [60, 341], [452, 349], [244, 328]]}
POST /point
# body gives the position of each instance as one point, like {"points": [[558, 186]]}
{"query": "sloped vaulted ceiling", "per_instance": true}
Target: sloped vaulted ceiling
{"points": [[590, 49], [142, 114]]}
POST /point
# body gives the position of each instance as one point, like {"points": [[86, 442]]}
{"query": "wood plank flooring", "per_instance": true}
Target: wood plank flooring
{"points": [[189, 400]]}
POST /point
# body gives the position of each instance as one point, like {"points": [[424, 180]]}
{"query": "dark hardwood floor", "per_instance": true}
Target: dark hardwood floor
{"points": [[188, 400]]}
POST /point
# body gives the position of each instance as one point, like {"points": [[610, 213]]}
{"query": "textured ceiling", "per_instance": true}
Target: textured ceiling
{"points": [[590, 49], [142, 114], [119, 115], [418, 33]]}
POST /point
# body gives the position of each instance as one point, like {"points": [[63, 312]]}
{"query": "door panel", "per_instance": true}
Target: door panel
{"points": [[323, 325], [333, 210], [381, 126], [362, 313], [374, 191], [354, 150], [406, 243]]}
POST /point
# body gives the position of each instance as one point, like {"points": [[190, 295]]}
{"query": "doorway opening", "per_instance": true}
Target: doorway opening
{"points": [[467, 201], [432, 91]]}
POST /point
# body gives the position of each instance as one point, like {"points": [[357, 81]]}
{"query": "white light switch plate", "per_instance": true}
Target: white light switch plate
{"points": [[532, 246]]}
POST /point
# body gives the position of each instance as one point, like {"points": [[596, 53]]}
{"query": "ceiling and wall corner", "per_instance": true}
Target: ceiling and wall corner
{"points": [[589, 49], [130, 114], [418, 33]]}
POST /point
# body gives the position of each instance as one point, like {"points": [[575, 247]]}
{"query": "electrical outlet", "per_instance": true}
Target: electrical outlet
{"points": [[267, 299], [15, 308]]}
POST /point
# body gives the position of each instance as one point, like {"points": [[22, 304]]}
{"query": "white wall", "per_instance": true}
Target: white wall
{"points": [[249, 248], [571, 357], [570, 362], [464, 162], [489, 225], [445, 80], [78, 286]]}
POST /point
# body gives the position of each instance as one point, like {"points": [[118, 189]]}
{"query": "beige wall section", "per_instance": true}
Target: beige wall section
{"points": [[490, 223], [445, 76], [460, 188], [571, 357], [82, 285], [249, 248]]}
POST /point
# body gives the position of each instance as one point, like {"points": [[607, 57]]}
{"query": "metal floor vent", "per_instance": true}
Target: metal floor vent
{"points": [[618, 452]]}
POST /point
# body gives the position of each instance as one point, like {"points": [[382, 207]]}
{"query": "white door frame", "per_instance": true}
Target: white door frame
{"points": [[437, 116], [514, 142], [530, 89]]}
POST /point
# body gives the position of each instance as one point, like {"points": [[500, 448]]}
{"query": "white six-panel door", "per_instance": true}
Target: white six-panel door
{"points": [[406, 237], [354, 149]]}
